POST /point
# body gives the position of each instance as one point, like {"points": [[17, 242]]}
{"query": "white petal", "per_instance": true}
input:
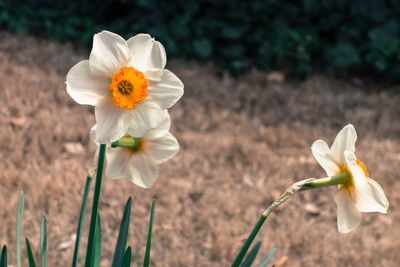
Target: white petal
{"points": [[345, 140], [359, 178], [142, 171], [163, 148], [144, 117], [109, 53], [83, 86], [323, 155], [112, 121], [164, 87], [371, 198], [117, 162], [146, 53], [348, 217], [162, 129], [92, 134]]}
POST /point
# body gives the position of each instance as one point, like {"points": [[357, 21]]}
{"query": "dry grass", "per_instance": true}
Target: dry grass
{"points": [[243, 141]]}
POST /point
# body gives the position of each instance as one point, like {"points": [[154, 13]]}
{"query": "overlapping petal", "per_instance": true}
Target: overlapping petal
{"points": [[117, 163], [112, 122], [83, 86], [371, 198], [144, 117], [348, 217], [357, 173], [164, 87], [324, 157], [142, 170], [110, 52], [162, 149], [161, 130], [345, 140], [146, 53]]}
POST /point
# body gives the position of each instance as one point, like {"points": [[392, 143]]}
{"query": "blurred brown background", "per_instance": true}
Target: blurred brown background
{"points": [[243, 141]]}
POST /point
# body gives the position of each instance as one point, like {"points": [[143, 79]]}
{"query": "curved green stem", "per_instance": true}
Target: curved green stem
{"points": [[95, 207], [341, 178]]}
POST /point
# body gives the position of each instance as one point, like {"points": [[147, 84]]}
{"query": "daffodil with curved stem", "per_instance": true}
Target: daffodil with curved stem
{"points": [[137, 158], [360, 193], [357, 191], [126, 82]]}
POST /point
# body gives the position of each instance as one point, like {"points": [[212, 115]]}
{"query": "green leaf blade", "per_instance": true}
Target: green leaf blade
{"points": [[31, 258], [146, 262], [126, 261], [81, 221], [3, 257], [43, 241], [20, 213], [268, 257], [252, 255], [122, 235]]}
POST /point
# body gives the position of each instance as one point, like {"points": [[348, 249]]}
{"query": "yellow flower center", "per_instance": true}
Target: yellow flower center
{"points": [[139, 145], [128, 87], [350, 186], [363, 167]]}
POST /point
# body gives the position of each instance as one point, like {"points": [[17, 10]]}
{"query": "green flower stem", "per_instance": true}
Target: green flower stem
{"points": [[306, 184], [95, 207], [341, 178]]}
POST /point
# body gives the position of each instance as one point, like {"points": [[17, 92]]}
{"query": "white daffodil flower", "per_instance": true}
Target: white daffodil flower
{"points": [[361, 194], [126, 82], [137, 158]]}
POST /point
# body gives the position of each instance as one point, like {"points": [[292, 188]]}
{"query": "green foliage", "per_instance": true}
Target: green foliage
{"points": [[252, 255], [81, 221], [126, 261], [268, 257], [31, 258], [3, 257], [20, 213], [43, 241], [299, 36], [122, 236], [146, 262]]}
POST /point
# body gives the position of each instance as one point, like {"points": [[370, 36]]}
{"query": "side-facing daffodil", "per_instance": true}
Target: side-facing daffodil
{"points": [[137, 158], [126, 82], [360, 193]]}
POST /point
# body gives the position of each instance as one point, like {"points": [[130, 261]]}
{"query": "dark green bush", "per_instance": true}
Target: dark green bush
{"points": [[299, 36]]}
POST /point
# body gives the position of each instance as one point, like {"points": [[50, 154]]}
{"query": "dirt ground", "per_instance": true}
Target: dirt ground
{"points": [[243, 141]]}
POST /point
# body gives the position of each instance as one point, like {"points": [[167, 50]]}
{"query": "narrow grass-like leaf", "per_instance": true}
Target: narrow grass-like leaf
{"points": [[81, 221], [122, 235], [43, 241], [31, 258], [20, 213], [246, 245], [268, 257], [97, 244], [95, 207], [3, 257], [146, 262], [252, 255], [126, 261]]}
